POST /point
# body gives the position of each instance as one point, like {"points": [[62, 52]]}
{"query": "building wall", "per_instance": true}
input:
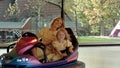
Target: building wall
{"points": [[3, 7], [21, 4], [49, 10], [27, 26]]}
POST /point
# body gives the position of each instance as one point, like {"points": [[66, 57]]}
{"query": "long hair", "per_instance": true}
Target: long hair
{"points": [[58, 18], [67, 36]]}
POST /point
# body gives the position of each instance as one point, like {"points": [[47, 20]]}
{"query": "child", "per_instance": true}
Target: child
{"points": [[60, 45]]}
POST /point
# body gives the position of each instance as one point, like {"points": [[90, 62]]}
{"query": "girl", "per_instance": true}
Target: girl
{"points": [[60, 45]]}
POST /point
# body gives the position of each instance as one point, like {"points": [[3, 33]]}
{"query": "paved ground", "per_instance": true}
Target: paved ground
{"points": [[100, 57], [3, 45]]}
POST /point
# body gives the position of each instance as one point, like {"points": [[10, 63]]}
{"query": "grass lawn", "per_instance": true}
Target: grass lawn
{"points": [[98, 39]]}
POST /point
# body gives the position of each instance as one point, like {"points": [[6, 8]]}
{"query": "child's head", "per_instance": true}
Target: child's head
{"points": [[62, 34]]}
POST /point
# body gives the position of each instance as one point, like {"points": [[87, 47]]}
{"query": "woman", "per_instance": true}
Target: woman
{"points": [[48, 35]]}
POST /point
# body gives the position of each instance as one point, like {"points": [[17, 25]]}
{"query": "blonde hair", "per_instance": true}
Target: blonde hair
{"points": [[67, 36], [58, 18]]}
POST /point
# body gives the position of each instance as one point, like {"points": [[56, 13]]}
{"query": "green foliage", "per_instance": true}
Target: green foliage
{"points": [[84, 31], [94, 29], [104, 12], [12, 13], [34, 8], [97, 39]]}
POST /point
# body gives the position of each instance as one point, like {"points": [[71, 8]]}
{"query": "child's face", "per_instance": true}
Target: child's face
{"points": [[61, 35]]}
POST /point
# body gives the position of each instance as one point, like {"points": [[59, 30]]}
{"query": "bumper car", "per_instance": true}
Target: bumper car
{"points": [[27, 60]]}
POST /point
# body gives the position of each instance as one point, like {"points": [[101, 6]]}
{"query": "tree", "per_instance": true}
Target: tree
{"points": [[102, 13], [34, 8], [12, 13]]}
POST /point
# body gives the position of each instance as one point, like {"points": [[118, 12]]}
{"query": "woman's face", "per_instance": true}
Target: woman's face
{"points": [[61, 35], [57, 23]]}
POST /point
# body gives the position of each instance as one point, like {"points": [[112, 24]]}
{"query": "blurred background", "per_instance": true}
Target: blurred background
{"points": [[96, 24]]}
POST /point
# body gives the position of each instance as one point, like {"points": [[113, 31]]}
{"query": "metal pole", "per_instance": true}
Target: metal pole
{"points": [[76, 22], [62, 9]]}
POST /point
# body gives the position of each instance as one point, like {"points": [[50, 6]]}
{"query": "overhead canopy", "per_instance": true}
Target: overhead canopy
{"points": [[5, 25], [13, 25]]}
